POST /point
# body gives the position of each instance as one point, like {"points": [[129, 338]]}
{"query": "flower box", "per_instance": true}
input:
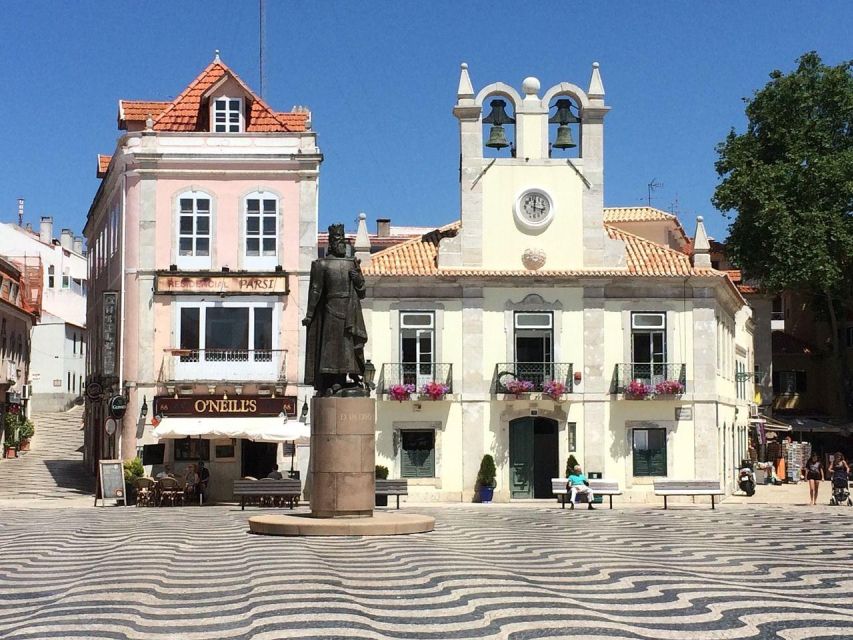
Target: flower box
{"points": [[669, 388], [554, 390], [435, 390], [400, 392], [518, 387]]}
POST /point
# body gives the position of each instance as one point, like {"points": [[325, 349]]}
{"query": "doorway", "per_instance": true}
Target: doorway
{"points": [[258, 458], [533, 457]]}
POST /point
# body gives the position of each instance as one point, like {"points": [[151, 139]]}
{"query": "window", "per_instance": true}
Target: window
{"points": [[66, 281], [789, 382], [534, 346], [192, 449], [194, 230], [417, 347], [68, 383], [13, 292], [417, 459], [262, 227], [224, 448], [572, 431], [649, 449], [850, 337], [777, 312], [153, 453], [51, 280], [648, 347], [232, 333], [228, 115]]}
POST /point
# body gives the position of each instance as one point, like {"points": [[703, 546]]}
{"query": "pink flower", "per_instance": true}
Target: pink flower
{"points": [[554, 389], [400, 392], [435, 390], [669, 388], [638, 389], [519, 386]]}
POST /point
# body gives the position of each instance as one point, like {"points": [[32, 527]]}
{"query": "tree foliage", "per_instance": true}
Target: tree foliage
{"points": [[789, 177]]}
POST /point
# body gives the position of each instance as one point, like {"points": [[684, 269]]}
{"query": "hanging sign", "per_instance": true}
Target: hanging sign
{"points": [[109, 333], [219, 407], [110, 426], [118, 406], [94, 391]]}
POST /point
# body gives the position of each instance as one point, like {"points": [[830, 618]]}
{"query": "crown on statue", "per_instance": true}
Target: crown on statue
{"points": [[336, 231]]}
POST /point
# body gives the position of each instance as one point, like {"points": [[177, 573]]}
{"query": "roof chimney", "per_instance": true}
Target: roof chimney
{"points": [[701, 246], [46, 229], [383, 227], [78, 245], [66, 239]]}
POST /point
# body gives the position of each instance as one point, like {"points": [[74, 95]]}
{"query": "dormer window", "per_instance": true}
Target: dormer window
{"points": [[227, 115]]}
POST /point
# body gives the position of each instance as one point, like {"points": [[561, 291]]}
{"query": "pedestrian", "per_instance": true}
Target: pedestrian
{"points": [[579, 484], [275, 474], [814, 474], [839, 464]]}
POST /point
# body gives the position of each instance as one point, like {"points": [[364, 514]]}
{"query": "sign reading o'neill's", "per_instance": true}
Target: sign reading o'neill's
{"points": [[219, 407], [229, 283]]}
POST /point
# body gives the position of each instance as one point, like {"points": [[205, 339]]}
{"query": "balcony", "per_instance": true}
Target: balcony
{"points": [[641, 380], [510, 377], [224, 365], [415, 374]]}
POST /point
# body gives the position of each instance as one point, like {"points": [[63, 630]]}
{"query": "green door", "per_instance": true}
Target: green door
{"points": [[521, 457]]}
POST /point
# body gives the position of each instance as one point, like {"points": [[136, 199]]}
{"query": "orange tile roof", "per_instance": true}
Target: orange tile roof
{"points": [[103, 165], [415, 257], [736, 277], [139, 110], [651, 259], [636, 214], [187, 112]]}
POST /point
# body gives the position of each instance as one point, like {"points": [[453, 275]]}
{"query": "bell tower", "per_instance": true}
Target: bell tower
{"points": [[531, 177]]}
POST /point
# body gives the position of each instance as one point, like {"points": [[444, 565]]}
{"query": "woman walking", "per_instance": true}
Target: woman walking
{"points": [[814, 474]]}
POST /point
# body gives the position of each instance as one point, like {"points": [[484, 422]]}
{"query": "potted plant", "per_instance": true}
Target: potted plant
{"points": [[10, 439], [435, 390], [571, 463], [637, 389], [669, 388], [518, 387], [133, 470], [25, 432], [381, 474], [486, 479], [554, 389], [400, 392]]}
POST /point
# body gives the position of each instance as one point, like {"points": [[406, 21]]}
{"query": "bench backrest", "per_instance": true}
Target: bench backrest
{"points": [[392, 486], [687, 485], [267, 485], [559, 485]]}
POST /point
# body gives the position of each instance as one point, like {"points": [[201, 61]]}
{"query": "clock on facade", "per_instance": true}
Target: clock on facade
{"points": [[534, 208]]}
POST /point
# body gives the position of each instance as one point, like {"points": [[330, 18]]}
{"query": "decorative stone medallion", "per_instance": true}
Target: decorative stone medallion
{"points": [[533, 259]]}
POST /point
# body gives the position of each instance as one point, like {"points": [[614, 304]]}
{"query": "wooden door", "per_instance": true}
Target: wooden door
{"points": [[521, 458]]}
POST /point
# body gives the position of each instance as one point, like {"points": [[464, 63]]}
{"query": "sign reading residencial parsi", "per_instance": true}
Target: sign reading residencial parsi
{"points": [[222, 283], [218, 406]]}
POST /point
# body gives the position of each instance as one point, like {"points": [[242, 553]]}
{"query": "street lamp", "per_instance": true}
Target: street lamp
{"points": [[143, 411]]}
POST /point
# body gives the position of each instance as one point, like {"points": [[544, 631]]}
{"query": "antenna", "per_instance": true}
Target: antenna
{"points": [[654, 185], [261, 11], [675, 206], [20, 212]]}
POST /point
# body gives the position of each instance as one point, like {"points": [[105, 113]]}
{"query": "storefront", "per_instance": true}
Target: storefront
{"points": [[233, 436]]}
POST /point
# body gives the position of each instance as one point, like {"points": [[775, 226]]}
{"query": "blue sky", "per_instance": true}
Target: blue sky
{"points": [[381, 79]]}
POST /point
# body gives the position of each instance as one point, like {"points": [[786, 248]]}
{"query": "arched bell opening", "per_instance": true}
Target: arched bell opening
{"points": [[564, 128], [499, 139]]}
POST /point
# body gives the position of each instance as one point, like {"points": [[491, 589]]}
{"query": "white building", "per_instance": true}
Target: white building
{"points": [[57, 366]]}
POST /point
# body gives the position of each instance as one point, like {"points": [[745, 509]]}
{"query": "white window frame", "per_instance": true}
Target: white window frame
{"points": [[229, 124], [261, 261], [548, 316], [648, 314], [193, 261]]}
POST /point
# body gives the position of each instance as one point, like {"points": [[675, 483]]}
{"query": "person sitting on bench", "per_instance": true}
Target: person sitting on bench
{"points": [[579, 484]]}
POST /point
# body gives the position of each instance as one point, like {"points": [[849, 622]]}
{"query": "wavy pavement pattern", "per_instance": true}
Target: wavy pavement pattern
{"points": [[497, 572]]}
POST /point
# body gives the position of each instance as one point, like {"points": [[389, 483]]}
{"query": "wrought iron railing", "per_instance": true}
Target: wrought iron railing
{"points": [[415, 373], [510, 376], [224, 364], [650, 378]]}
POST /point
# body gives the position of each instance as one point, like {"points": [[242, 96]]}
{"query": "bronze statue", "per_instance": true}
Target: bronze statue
{"points": [[334, 348]]}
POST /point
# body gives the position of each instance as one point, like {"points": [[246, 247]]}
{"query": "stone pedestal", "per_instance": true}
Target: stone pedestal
{"points": [[343, 457]]}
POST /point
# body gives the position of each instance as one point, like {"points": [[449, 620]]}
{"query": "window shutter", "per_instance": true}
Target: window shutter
{"points": [[417, 457]]}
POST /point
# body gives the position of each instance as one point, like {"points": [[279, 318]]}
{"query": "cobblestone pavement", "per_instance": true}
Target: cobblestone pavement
{"points": [[487, 571], [53, 468]]}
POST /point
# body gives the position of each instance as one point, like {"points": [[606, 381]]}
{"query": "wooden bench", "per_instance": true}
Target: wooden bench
{"points": [[599, 488], [688, 488], [266, 488], [392, 488]]}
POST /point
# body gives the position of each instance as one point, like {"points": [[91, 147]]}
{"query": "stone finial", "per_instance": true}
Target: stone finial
{"points": [[149, 123], [466, 89], [530, 86], [596, 86], [362, 237], [701, 246], [216, 55]]}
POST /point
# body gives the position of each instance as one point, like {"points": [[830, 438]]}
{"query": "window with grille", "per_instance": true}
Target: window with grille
{"points": [[228, 115], [194, 230], [261, 226], [417, 455]]}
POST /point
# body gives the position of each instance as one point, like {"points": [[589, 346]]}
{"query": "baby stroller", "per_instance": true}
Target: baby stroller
{"points": [[840, 489]]}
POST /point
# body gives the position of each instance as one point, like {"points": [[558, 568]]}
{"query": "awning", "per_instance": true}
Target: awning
{"points": [[769, 424], [273, 429]]}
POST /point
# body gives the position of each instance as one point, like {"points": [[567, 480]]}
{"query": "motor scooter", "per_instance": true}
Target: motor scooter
{"points": [[746, 478]]}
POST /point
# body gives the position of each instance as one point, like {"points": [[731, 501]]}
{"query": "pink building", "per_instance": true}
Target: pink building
{"points": [[196, 270]]}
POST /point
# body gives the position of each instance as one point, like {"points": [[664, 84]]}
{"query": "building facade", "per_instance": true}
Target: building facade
{"points": [[196, 270], [557, 326], [58, 366]]}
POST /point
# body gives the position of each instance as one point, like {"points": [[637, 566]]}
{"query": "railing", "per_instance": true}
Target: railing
{"points": [[650, 379], [414, 373], [509, 376], [246, 365]]}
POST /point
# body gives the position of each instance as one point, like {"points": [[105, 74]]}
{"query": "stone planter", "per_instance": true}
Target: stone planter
{"points": [[11, 452], [24, 445]]}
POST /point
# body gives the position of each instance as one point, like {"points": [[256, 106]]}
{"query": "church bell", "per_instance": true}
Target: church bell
{"points": [[564, 117], [497, 118]]}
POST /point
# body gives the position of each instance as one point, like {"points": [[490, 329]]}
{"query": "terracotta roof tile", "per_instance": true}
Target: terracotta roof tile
{"points": [[415, 257], [636, 214], [187, 112], [651, 259], [139, 110], [103, 165]]}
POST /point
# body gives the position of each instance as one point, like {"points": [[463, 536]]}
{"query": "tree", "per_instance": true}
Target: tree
{"points": [[789, 178]]}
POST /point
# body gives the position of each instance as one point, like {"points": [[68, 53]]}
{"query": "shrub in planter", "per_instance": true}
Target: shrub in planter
{"points": [[571, 463], [25, 432], [133, 469], [486, 478], [381, 474]]}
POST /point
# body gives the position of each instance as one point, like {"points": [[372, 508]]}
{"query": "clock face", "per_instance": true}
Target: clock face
{"points": [[534, 208]]}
